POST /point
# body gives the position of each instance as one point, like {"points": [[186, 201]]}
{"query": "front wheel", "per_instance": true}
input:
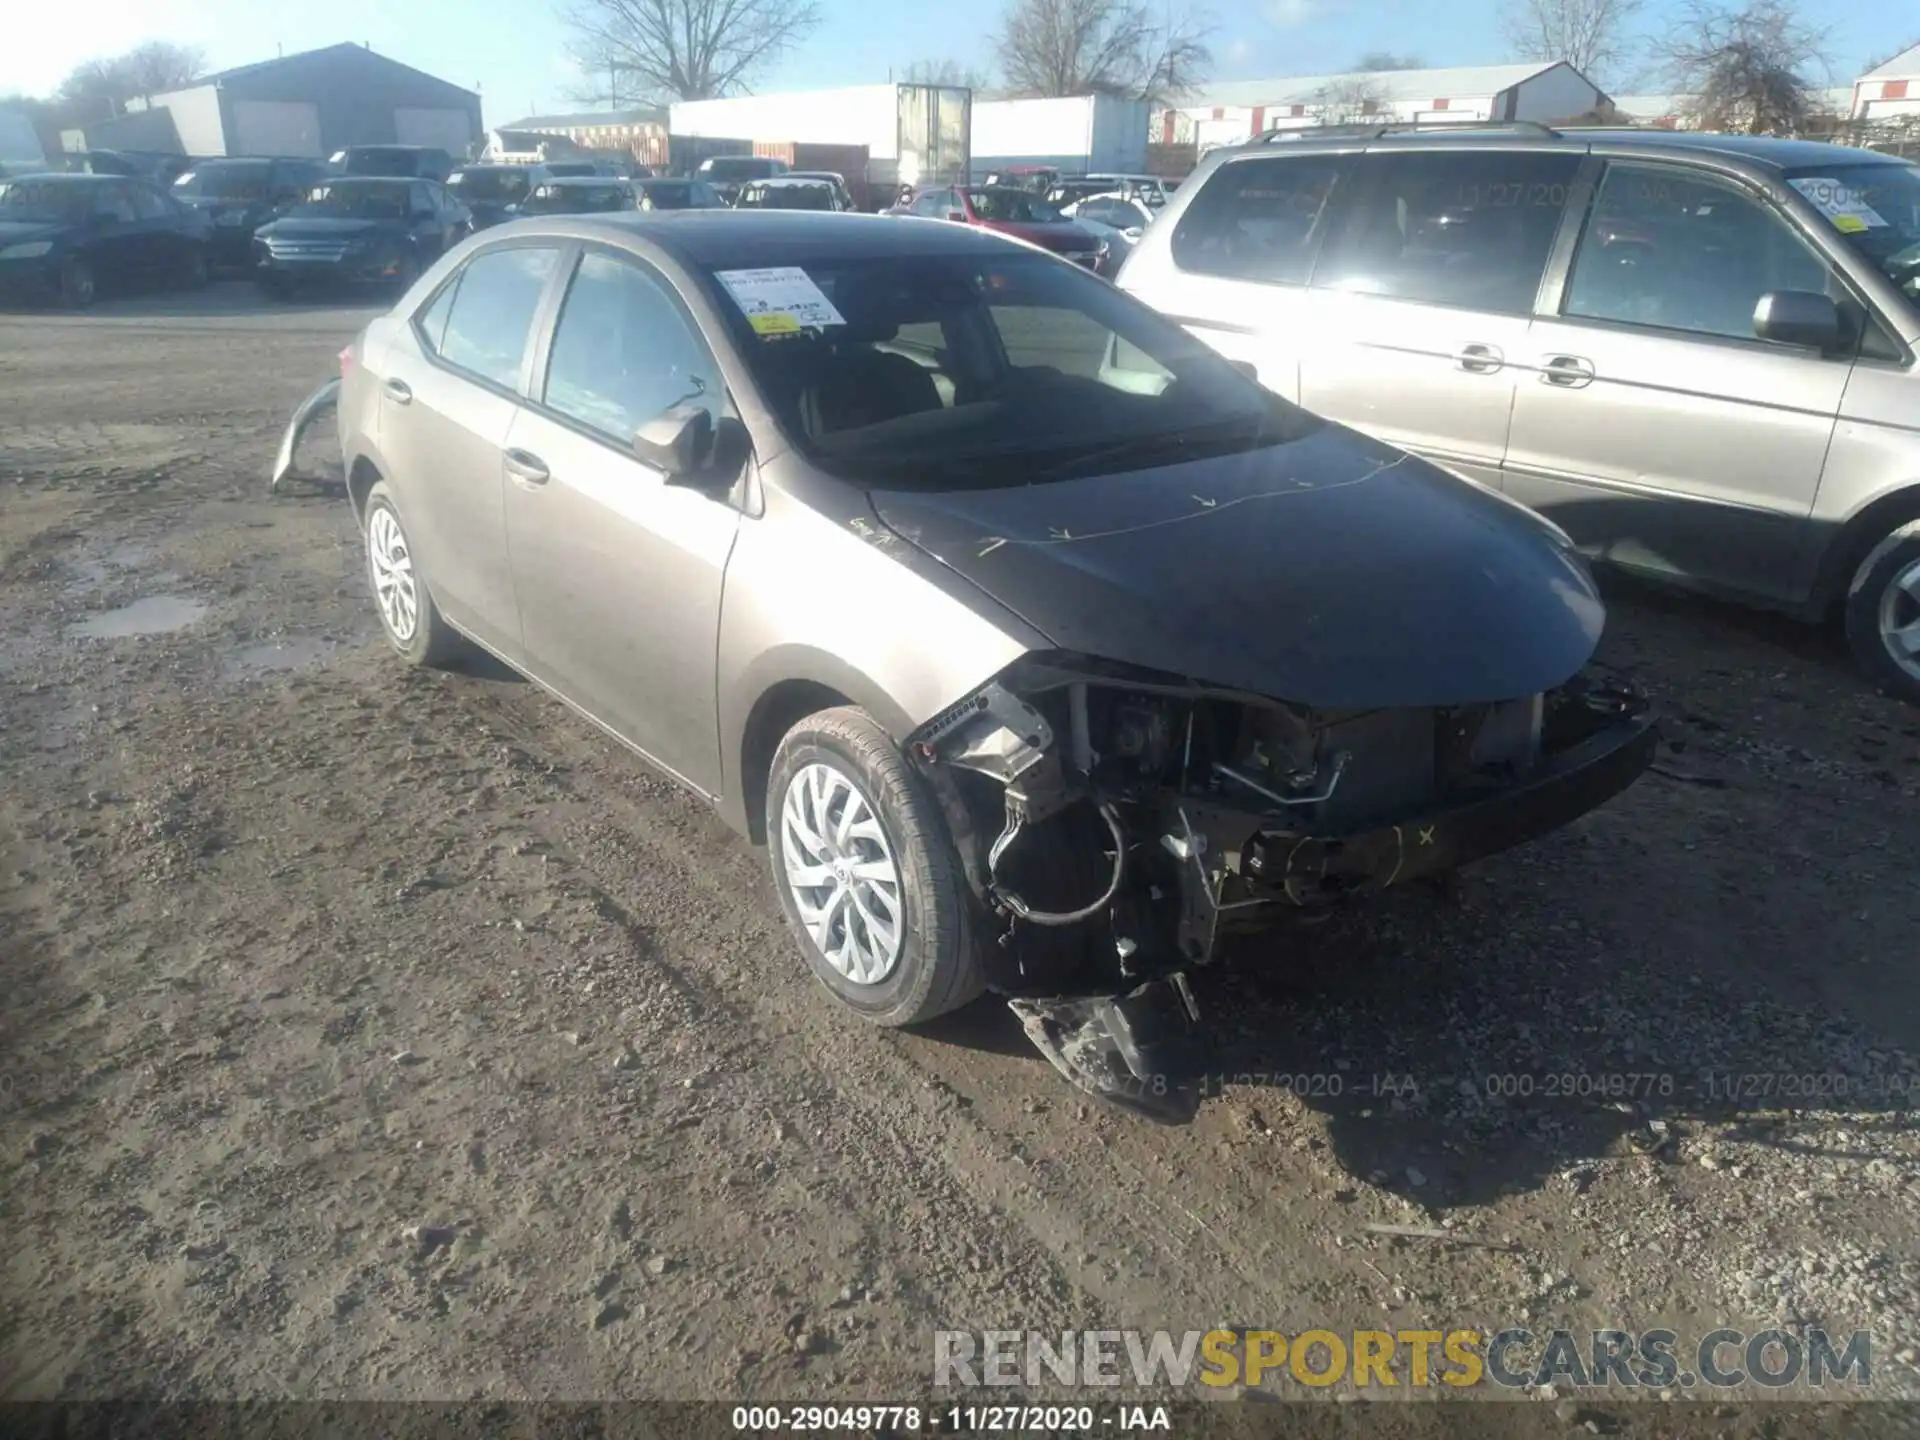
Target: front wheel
{"points": [[78, 288], [411, 620], [1883, 613], [867, 876]]}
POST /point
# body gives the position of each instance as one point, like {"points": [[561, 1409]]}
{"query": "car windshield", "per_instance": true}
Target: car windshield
{"points": [[344, 199], [1015, 206], [576, 199], [380, 162], [223, 182], [55, 204], [1877, 209], [787, 197], [970, 371], [668, 195], [490, 184]]}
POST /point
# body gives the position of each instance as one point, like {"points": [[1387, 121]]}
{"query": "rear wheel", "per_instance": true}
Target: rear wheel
{"points": [[409, 617], [273, 287], [194, 271], [867, 876], [1883, 613]]}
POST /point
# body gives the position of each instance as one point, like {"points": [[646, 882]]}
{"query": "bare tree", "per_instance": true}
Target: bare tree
{"points": [[1102, 47], [944, 72], [159, 66], [1590, 35], [1376, 62], [657, 51], [1747, 68], [1348, 102]]}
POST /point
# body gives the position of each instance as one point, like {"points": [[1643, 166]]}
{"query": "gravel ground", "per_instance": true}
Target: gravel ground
{"points": [[381, 1034]]}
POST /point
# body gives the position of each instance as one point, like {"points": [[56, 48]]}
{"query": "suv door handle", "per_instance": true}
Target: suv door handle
{"points": [[1570, 372], [1480, 359], [526, 468], [398, 391]]}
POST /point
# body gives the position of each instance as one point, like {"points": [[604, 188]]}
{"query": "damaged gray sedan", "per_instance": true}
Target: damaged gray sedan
{"points": [[1040, 646]]}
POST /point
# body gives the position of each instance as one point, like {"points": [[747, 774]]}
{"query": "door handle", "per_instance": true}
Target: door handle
{"points": [[398, 391], [526, 468], [1480, 359], [1569, 372]]}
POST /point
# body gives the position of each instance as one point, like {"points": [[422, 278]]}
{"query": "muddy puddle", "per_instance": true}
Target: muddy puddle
{"points": [[149, 615], [275, 657]]}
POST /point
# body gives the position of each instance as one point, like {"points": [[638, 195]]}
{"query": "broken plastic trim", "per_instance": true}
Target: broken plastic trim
{"points": [[1011, 900], [321, 402]]}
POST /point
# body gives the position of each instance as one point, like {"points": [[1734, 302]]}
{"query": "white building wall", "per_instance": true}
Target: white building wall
{"points": [[866, 115], [196, 119]]}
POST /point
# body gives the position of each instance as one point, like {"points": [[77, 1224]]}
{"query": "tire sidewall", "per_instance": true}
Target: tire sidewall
{"points": [[1870, 583], [414, 652], [906, 987], [71, 294]]}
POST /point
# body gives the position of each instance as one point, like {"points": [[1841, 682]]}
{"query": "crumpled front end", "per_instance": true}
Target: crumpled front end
{"points": [[1119, 823]]}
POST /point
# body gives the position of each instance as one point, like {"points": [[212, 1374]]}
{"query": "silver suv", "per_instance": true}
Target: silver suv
{"points": [[1695, 353]]}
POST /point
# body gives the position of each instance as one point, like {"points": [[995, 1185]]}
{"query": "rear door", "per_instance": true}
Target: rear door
{"points": [[159, 234], [1236, 266], [453, 381], [1652, 425], [1424, 294], [618, 572], [120, 252]]}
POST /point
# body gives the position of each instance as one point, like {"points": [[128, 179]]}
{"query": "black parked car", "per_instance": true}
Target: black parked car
{"points": [[578, 195], [409, 162], [359, 229], [666, 194], [242, 195], [71, 236], [490, 191]]}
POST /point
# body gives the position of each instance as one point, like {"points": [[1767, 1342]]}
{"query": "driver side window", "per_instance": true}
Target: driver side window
{"points": [[625, 353]]}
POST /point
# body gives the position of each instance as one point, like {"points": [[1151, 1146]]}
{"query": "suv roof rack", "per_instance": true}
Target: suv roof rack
{"points": [[1380, 132]]}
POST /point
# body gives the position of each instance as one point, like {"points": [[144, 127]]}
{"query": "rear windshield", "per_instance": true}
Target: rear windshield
{"points": [[490, 184], [1877, 209], [224, 182], [738, 167], [975, 372], [668, 195], [576, 199], [1014, 206], [786, 197], [381, 162], [570, 167]]}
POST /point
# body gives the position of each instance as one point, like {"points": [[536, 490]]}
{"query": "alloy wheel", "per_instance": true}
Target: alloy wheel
{"points": [[842, 874], [1900, 619], [393, 581]]}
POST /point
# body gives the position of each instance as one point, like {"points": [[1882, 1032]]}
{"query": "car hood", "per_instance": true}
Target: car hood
{"points": [[319, 227], [1068, 236], [18, 232], [1332, 571]]}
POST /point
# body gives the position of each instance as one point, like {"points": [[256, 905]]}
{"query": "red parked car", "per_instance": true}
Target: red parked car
{"points": [[1019, 213]]}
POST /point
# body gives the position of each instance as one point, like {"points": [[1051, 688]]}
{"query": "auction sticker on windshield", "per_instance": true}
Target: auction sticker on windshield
{"points": [[780, 300], [1842, 204]]}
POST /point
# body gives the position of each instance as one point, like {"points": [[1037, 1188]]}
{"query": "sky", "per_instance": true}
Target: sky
{"points": [[519, 62]]}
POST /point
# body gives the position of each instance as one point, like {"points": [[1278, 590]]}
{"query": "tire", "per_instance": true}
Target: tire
{"points": [[934, 966], [1883, 604], [196, 273], [408, 617], [274, 288], [78, 285]]}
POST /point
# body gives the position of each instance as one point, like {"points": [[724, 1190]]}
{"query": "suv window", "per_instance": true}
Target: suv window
{"points": [[625, 353], [935, 203], [1260, 219], [486, 330], [112, 202], [1679, 250], [1466, 228], [148, 203]]}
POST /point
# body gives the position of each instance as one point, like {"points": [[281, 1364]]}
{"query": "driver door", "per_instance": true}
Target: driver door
{"points": [[619, 573]]}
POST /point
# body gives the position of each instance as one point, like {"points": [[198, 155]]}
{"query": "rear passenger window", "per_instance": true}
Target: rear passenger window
{"points": [[432, 321], [1465, 228], [1260, 219], [492, 312], [1677, 250]]}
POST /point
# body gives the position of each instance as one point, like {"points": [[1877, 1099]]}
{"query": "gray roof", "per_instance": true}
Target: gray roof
{"points": [[1905, 65], [344, 48], [1390, 85], [646, 114]]}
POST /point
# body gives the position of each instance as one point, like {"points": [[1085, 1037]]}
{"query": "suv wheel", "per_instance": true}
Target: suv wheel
{"points": [[1883, 612], [867, 876], [408, 615]]}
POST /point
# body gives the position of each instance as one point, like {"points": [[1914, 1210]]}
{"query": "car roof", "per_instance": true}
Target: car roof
{"points": [[1771, 151], [751, 239], [329, 180], [582, 182], [792, 181], [506, 165], [69, 177]]}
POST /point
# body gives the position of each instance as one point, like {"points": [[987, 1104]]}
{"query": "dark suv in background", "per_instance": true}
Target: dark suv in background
{"points": [[411, 162], [1695, 353], [241, 195]]}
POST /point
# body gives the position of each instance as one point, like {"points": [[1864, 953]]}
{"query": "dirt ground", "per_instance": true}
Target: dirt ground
{"points": [[378, 1034]]}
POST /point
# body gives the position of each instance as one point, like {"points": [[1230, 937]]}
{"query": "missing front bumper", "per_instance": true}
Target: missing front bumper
{"points": [[322, 402]]}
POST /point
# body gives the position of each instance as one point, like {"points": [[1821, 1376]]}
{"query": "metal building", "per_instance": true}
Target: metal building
{"points": [[313, 103]]}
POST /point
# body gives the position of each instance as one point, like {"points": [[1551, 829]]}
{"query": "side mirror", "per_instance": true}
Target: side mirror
{"points": [[1134, 232], [1247, 368], [678, 442], [1799, 317]]}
